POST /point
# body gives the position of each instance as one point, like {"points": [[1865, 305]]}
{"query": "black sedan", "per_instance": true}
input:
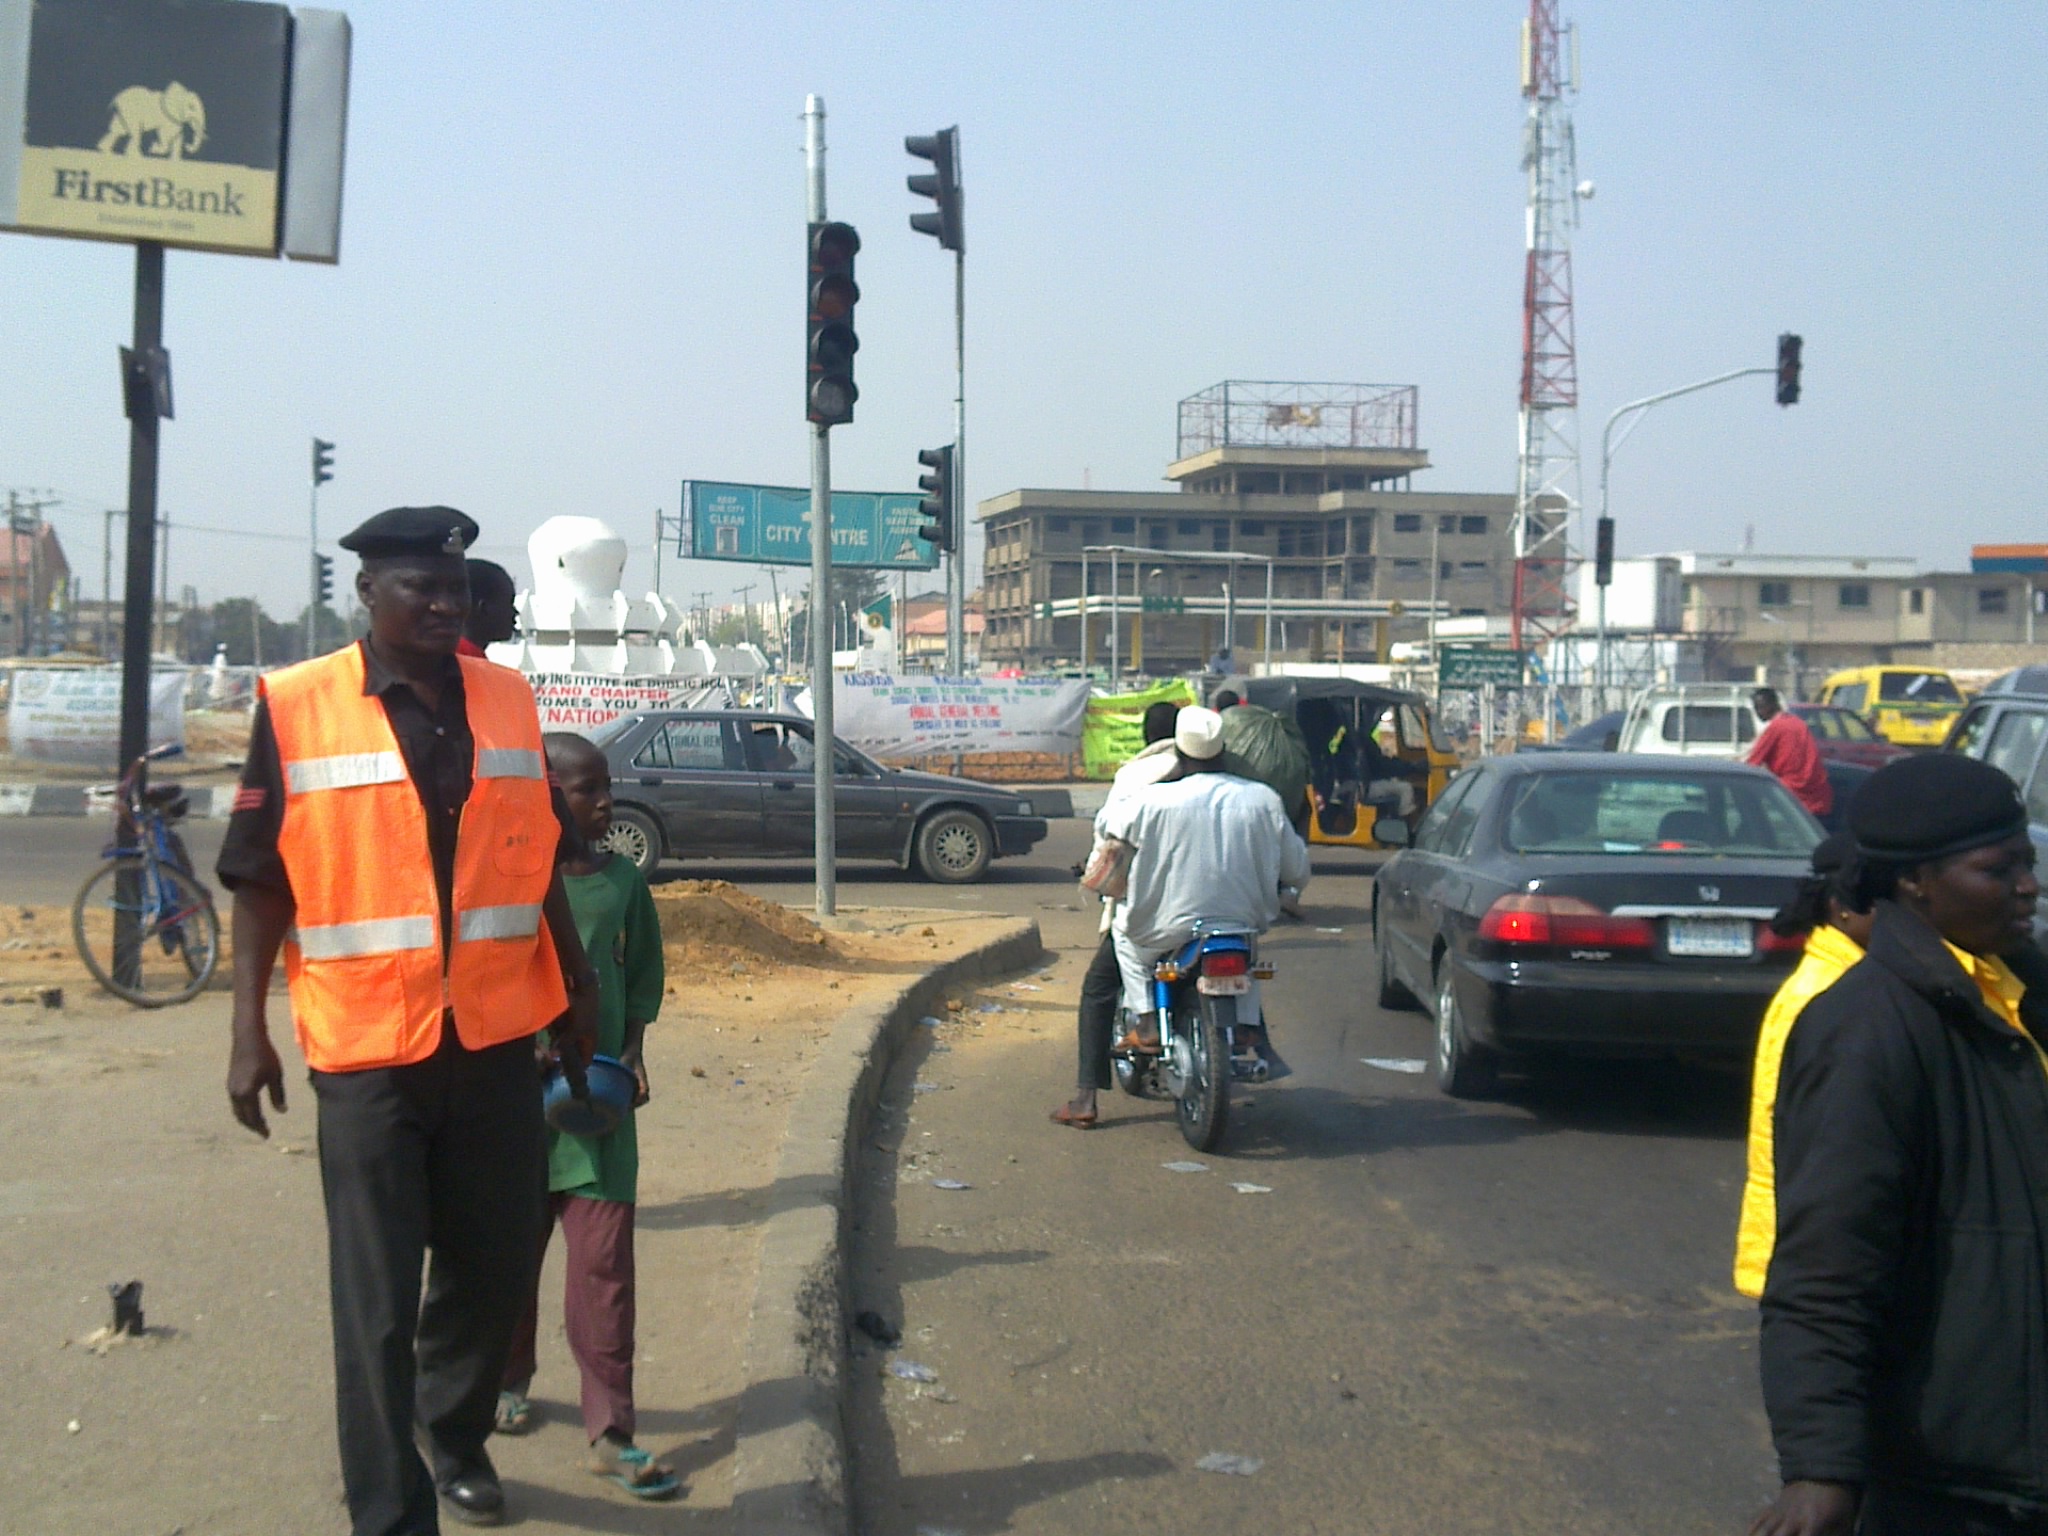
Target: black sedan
{"points": [[1590, 904], [738, 784]]}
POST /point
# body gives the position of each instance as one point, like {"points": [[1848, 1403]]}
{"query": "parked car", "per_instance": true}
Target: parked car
{"points": [[1691, 720], [1600, 734], [2018, 680], [738, 784], [1909, 706], [1593, 905], [2008, 731], [1843, 737]]}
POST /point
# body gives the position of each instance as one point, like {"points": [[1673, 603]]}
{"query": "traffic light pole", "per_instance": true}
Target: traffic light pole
{"points": [[1608, 447], [313, 569], [956, 558], [823, 841]]}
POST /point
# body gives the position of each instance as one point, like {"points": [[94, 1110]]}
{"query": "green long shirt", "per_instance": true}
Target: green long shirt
{"points": [[622, 935]]}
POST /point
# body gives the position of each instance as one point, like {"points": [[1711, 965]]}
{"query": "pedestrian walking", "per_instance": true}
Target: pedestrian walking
{"points": [[593, 1181], [1835, 921], [1785, 747], [1904, 1357], [394, 838]]}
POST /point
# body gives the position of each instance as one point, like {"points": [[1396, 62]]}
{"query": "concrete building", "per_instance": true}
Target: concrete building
{"points": [[1305, 485], [35, 589], [1797, 618]]}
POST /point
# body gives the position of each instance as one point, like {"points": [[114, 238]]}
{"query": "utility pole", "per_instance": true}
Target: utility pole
{"points": [[947, 223], [781, 629], [323, 471], [824, 840], [746, 611]]}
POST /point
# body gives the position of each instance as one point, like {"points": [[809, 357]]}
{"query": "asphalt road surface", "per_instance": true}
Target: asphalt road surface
{"points": [[1508, 1317]]}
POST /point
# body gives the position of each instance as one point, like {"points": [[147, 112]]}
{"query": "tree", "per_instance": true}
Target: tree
{"points": [[251, 636]]}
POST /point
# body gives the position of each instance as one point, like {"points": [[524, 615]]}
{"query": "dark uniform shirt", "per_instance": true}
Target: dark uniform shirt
{"points": [[439, 754]]}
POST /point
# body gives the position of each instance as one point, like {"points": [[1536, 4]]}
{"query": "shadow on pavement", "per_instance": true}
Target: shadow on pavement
{"points": [[986, 1500], [915, 1264]]}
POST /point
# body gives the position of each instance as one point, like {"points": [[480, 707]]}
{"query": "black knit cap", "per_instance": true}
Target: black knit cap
{"points": [[1931, 805], [402, 531]]}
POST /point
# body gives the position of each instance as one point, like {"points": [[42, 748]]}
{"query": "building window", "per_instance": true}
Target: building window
{"points": [[1252, 528], [1123, 525], [1219, 536], [1407, 570], [1188, 527], [1354, 482], [1333, 538], [1155, 535], [1853, 594], [1407, 522], [1447, 523], [1055, 525], [1444, 569], [1474, 526], [1991, 600], [1685, 594], [1472, 570], [1774, 594], [1916, 600]]}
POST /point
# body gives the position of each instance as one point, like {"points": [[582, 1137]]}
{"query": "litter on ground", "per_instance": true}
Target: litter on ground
{"points": [[1224, 1461], [910, 1370], [950, 1184], [1252, 1189], [1396, 1064], [1185, 1167]]}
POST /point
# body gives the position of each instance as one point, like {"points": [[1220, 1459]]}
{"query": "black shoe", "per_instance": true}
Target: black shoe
{"points": [[474, 1498]]}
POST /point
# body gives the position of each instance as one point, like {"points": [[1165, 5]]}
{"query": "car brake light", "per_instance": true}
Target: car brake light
{"points": [[1562, 922], [1770, 942], [1226, 962]]}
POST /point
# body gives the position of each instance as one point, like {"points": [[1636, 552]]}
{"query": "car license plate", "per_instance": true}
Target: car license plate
{"points": [[1721, 938], [1223, 986]]}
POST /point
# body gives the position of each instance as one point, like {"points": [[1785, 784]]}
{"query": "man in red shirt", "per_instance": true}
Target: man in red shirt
{"points": [[1786, 748]]}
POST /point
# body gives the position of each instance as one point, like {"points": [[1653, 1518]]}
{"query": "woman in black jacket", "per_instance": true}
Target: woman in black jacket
{"points": [[1905, 1315]]}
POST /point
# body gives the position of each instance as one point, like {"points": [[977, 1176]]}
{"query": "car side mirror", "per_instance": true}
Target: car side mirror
{"points": [[1390, 832]]}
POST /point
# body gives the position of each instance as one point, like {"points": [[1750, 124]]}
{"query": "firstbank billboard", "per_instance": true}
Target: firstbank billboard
{"points": [[212, 124]]}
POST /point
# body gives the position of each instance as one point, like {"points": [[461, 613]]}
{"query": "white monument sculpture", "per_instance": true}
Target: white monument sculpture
{"points": [[574, 618]]}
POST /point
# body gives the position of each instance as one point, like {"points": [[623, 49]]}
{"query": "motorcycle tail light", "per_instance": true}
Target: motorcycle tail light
{"points": [[1226, 962], [1524, 919]]}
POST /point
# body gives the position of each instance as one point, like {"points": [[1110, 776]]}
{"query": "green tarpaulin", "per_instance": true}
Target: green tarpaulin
{"points": [[1259, 744], [1113, 732]]}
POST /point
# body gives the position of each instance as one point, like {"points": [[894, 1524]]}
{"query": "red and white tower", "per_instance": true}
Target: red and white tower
{"points": [[1547, 467]]}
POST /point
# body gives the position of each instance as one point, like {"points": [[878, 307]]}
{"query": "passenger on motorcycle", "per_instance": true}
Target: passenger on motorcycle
{"points": [[1209, 847]]}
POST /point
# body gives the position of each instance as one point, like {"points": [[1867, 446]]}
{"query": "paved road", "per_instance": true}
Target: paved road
{"points": [[1508, 1317]]}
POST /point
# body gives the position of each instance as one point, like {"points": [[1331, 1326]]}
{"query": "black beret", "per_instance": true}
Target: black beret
{"points": [[412, 531], [1931, 805]]}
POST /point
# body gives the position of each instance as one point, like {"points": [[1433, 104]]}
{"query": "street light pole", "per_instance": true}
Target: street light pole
{"points": [[824, 848]]}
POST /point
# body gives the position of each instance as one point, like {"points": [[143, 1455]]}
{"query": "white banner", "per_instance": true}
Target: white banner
{"points": [[891, 716], [582, 701], [73, 714]]}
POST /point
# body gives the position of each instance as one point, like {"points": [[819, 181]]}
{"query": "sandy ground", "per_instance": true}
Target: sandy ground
{"points": [[118, 1161]]}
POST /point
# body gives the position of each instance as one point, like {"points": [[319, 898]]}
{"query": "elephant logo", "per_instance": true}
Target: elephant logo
{"points": [[172, 121]]}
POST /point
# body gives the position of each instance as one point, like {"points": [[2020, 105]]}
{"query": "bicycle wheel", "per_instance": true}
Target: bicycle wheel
{"points": [[175, 942]]}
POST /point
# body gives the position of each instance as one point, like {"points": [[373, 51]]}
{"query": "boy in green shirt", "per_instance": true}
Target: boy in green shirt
{"points": [[592, 1179]]}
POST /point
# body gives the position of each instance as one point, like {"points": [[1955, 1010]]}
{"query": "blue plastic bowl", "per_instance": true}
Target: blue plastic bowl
{"points": [[612, 1087]]}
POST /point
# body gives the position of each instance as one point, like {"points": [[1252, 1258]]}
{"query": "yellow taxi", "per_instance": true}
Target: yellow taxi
{"points": [[1372, 750], [1908, 706]]}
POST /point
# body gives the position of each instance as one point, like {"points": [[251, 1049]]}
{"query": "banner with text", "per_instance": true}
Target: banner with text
{"points": [[771, 525], [1115, 733], [582, 701], [73, 714], [890, 716]]}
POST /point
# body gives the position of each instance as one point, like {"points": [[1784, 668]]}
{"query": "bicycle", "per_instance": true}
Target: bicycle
{"points": [[144, 924]]}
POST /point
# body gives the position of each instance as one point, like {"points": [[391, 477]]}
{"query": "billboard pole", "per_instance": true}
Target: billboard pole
{"points": [[822, 826]]}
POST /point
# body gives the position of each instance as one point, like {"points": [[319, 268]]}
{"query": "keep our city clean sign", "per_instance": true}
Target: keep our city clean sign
{"points": [[209, 124]]}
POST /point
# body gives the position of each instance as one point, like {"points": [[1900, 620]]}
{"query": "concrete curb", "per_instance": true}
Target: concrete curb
{"points": [[789, 1462], [210, 802]]}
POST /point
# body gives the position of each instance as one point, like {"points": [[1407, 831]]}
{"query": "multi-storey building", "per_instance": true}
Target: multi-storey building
{"points": [[1305, 487]]}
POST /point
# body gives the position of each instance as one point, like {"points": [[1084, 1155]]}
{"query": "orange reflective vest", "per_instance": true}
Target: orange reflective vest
{"points": [[369, 985]]}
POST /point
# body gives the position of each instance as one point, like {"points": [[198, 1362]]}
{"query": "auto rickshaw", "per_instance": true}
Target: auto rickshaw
{"points": [[1372, 749]]}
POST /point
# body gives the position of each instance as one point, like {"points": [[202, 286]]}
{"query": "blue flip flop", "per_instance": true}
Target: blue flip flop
{"points": [[634, 1470]]}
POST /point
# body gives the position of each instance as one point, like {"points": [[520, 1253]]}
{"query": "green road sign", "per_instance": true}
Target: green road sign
{"points": [[1470, 666]]}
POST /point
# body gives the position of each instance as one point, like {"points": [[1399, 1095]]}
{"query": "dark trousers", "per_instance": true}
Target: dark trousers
{"points": [[1889, 1511], [597, 1309], [1102, 990], [446, 1157]]}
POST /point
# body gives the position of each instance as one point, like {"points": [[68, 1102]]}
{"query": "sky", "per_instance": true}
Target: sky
{"points": [[572, 267]]}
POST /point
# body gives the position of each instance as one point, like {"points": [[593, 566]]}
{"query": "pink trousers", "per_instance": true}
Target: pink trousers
{"points": [[597, 1305]]}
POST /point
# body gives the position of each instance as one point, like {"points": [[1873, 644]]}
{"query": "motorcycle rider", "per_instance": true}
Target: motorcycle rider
{"points": [[1209, 847]]}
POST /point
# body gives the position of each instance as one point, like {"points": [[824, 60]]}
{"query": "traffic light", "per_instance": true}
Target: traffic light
{"points": [[947, 224], [833, 293], [938, 499], [1603, 552], [1788, 368], [323, 576], [323, 461]]}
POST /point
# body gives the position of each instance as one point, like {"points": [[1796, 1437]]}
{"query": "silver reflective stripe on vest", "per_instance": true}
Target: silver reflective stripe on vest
{"points": [[374, 936], [520, 922], [345, 771], [509, 763]]}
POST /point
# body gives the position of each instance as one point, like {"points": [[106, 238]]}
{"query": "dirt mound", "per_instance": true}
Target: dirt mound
{"points": [[708, 922]]}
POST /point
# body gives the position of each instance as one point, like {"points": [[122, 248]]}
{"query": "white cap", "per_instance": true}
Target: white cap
{"points": [[1198, 733]]}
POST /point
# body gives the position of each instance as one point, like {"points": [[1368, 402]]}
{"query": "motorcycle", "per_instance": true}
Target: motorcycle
{"points": [[1205, 1001]]}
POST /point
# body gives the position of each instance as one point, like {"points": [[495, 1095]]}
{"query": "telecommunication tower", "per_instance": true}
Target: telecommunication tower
{"points": [[1547, 466]]}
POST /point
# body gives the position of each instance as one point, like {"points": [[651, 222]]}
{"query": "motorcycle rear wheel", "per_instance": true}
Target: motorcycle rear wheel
{"points": [[1204, 1022]]}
